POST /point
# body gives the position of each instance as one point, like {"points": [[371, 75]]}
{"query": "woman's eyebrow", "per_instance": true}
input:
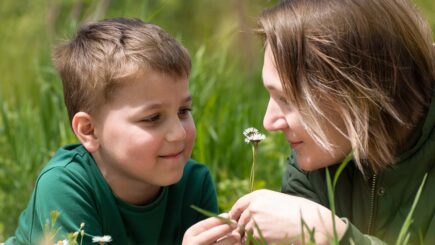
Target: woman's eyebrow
{"points": [[187, 99], [271, 87]]}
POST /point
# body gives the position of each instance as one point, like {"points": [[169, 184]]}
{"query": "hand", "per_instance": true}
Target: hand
{"points": [[278, 217], [211, 231]]}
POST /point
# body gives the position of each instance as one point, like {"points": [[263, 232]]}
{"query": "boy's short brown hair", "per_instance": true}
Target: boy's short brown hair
{"points": [[102, 54]]}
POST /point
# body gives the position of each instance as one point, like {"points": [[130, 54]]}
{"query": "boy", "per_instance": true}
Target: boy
{"points": [[126, 91]]}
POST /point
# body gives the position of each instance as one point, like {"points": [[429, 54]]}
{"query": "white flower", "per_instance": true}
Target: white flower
{"points": [[252, 135], [249, 131], [63, 242], [104, 238]]}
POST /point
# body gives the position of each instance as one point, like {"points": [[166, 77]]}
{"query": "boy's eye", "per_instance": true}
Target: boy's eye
{"points": [[152, 118]]}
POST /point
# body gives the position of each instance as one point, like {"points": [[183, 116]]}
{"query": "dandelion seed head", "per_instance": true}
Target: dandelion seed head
{"points": [[249, 131], [252, 135]]}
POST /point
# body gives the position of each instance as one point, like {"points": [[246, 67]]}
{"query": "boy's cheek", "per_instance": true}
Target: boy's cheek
{"points": [[191, 136], [191, 131]]}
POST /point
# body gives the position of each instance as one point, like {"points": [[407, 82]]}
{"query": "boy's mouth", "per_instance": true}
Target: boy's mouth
{"points": [[172, 155]]}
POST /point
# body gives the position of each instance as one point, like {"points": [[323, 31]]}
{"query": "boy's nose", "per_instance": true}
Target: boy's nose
{"points": [[274, 119], [176, 131]]}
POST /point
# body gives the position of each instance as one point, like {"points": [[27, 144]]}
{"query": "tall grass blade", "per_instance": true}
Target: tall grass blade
{"points": [[332, 206], [211, 214], [260, 233], [311, 232], [341, 168], [404, 235]]}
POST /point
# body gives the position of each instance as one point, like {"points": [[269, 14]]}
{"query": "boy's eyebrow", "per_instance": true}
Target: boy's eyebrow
{"points": [[159, 105]]}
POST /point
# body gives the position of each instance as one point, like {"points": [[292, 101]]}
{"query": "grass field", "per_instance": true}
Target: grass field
{"points": [[225, 83]]}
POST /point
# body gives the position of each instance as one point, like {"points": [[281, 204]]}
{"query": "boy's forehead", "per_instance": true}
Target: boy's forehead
{"points": [[146, 73], [151, 83]]}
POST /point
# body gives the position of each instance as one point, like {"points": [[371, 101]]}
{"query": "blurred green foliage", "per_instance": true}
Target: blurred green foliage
{"points": [[225, 83]]}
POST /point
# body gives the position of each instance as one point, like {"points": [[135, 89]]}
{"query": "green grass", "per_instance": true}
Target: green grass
{"points": [[225, 83]]}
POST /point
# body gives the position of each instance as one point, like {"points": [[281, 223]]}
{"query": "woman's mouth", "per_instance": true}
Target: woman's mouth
{"points": [[295, 144]]}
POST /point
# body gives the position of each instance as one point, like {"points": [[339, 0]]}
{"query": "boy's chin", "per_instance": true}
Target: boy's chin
{"points": [[173, 180]]}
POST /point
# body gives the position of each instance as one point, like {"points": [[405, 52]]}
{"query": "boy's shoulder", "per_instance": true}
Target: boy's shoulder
{"points": [[196, 187], [68, 156], [196, 180], [192, 166], [70, 182], [69, 163], [195, 172]]}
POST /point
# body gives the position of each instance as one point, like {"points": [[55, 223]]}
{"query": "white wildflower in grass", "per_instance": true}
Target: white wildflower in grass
{"points": [[253, 137], [101, 239]]}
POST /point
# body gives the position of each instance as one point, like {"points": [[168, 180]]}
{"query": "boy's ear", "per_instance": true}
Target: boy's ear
{"points": [[83, 125]]}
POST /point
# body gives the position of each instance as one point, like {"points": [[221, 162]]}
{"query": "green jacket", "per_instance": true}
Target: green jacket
{"points": [[376, 206]]}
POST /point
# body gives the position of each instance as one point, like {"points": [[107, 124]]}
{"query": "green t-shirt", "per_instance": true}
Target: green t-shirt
{"points": [[73, 184]]}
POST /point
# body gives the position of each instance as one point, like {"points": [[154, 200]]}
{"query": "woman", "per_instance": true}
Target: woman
{"points": [[348, 77], [344, 77]]}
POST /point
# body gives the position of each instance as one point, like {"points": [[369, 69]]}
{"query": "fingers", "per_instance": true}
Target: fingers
{"points": [[231, 239], [245, 217], [253, 229], [241, 205], [209, 231], [205, 225], [214, 234]]}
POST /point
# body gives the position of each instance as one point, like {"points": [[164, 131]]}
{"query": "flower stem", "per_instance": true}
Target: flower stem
{"points": [[252, 177]]}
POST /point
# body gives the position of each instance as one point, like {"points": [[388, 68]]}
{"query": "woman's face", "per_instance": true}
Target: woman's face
{"points": [[282, 115]]}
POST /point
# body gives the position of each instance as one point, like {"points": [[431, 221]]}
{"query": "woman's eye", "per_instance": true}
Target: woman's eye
{"points": [[283, 100], [152, 118], [183, 112]]}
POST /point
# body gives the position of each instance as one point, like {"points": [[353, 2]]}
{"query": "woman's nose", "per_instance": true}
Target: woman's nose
{"points": [[274, 119]]}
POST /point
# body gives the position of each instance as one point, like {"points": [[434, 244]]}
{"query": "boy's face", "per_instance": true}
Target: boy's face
{"points": [[146, 132]]}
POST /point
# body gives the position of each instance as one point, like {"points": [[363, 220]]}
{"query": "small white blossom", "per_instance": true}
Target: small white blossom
{"points": [[105, 238], [249, 131], [63, 242], [252, 135]]}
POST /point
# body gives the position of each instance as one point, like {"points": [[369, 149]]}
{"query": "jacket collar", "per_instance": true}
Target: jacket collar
{"points": [[421, 136]]}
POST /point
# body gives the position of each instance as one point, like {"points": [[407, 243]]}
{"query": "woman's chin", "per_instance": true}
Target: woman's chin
{"points": [[309, 165]]}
